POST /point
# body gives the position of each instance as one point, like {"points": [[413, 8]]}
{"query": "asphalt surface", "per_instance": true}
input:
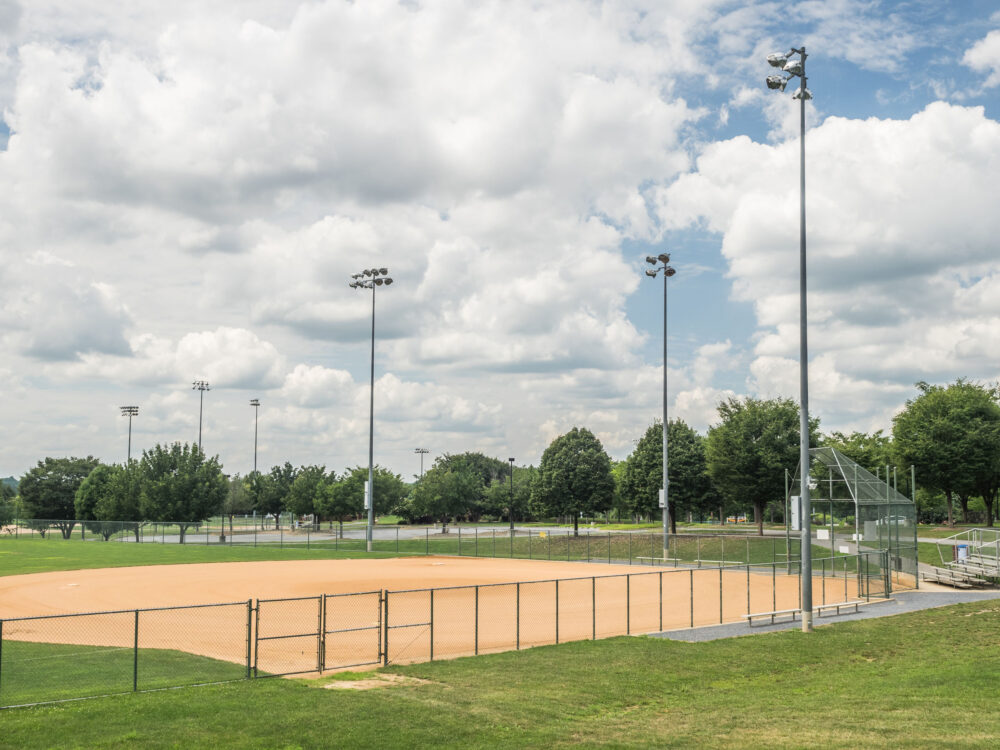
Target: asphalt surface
{"points": [[905, 601]]}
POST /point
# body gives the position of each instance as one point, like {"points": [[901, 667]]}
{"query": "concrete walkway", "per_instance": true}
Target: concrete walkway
{"points": [[905, 601]]}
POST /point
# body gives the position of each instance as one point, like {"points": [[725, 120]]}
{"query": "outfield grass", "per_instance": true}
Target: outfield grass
{"points": [[925, 679], [36, 555]]}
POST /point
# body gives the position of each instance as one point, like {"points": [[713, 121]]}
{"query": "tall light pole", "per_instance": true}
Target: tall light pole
{"points": [[659, 264], [371, 278], [511, 493], [201, 386], [422, 452], [255, 403], [797, 67], [129, 411]]}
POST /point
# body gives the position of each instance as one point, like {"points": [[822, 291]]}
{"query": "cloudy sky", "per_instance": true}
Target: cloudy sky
{"points": [[188, 186]]}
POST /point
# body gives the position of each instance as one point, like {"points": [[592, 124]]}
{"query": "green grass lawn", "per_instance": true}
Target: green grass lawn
{"points": [[50, 671], [926, 679], [37, 555]]}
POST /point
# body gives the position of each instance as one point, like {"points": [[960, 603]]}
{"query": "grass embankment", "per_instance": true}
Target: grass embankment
{"points": [[919, 680], [52, 671]]}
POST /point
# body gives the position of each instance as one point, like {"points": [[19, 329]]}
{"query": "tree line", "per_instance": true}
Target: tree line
{"points": [[950, 433]]}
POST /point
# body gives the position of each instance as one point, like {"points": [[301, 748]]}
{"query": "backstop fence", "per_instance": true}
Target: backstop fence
{"points": [[588, 545], [56, 658]]}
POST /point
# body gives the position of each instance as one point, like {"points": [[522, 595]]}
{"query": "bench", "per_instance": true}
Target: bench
{"points": [[819, 609]]}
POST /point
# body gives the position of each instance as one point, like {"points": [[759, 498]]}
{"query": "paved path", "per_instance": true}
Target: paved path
{"points": [[905, 601]]}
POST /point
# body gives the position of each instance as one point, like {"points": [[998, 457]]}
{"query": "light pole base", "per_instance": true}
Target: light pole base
{"points": [[369, 545], [807, 622]]}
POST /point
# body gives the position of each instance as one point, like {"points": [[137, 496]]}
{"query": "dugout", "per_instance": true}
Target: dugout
{"points": [[843, 491]]}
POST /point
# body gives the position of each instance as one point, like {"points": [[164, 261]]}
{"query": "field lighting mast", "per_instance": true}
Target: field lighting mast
{"points": [[129, 411], [659, 263], [787, 63], [201, 386], [255, 403], [422, 452], [371, 278]]}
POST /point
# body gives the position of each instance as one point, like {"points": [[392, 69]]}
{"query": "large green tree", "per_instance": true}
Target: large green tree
{"points": [[748, 451], [642, 480], [443, 494], [121, 501], [302, 494], [180, 485], [344, 498], [949, 434], [91, 491], [48, 491], [510, 499], [574, 477], [271, 490], [238, 498]]}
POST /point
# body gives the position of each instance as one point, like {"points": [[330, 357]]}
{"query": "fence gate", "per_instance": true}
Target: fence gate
{"points": [[289, 636], [351, 630]]}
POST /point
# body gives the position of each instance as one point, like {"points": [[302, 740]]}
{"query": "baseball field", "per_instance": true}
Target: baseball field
{"points": [[614, 692]]}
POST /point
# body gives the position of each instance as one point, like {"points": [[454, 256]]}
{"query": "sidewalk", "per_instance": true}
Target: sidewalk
{"points": [[905, 601]]}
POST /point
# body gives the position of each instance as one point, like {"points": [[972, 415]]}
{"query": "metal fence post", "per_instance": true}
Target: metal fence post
{"points": [[475, 548], [459, 541], [320, 634], [1, 662], [427, 541], [249, 626], [661, 600], [256, 637], [691, 572], [557, 611], [628, 605], [748, 588], [593, 608], [588, 546], [397, 540], [720, 594], [517, 617], [432, 624], [135, 655], [475, 649], [609, 548], [385, 628], [494, 542]]}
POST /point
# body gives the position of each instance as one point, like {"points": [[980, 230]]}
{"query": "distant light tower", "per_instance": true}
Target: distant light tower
{"points": [[797, 68], [371, 278], [664, 259], [129, 411], [201, 386], [255, 403], [421, 451], [511, 501]]}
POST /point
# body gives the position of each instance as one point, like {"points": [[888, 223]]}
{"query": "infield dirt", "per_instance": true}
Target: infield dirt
{"points": [[604, 600]]}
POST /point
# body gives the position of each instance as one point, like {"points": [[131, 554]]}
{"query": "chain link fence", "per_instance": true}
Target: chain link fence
{"points": [[56, 658], [630, 547]]}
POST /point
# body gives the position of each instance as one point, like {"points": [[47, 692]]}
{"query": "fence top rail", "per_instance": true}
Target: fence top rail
{"points": [[315, 597], [349, 593], [244, 603]]}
